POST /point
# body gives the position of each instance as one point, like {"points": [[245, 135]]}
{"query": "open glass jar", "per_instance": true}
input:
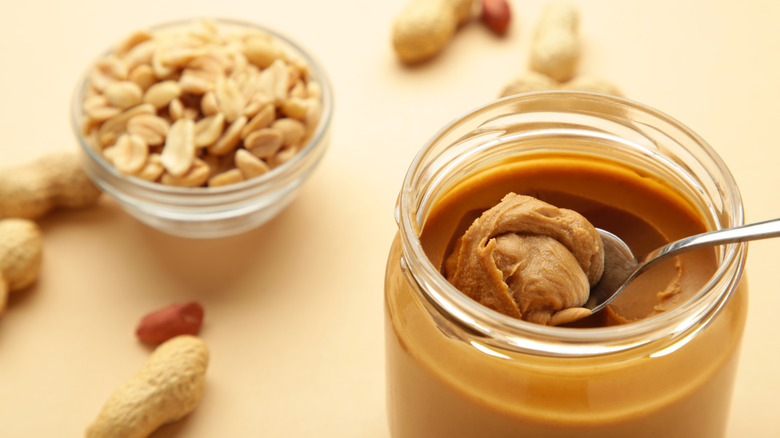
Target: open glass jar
{"points": [[458, 369]]}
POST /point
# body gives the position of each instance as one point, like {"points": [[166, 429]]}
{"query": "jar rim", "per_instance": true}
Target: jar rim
{"points": [[499, 330]]}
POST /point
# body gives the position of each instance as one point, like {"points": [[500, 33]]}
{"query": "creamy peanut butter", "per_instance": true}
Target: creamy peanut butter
{"points": [[645, 214], [529, 260]]}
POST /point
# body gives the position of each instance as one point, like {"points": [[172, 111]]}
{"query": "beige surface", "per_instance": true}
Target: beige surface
{"points": [[294, 309]]}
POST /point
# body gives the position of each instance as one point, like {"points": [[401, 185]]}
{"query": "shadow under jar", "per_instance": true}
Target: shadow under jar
{"points": [[650, 366]]}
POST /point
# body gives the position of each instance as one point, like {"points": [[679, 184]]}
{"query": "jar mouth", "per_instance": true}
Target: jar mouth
{"points": [[111, 180], [641, 134]]}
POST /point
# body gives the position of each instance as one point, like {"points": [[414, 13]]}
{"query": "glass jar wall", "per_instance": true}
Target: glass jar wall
{"points": [[458, 369]]}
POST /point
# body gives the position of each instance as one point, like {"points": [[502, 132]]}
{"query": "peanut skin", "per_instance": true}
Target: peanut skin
{"points": [[20, 256], [56, 180], [168, 322], [496, 14], [166, 388]]}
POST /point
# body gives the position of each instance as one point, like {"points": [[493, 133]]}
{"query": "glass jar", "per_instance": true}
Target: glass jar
{"points": [[458, 369]]}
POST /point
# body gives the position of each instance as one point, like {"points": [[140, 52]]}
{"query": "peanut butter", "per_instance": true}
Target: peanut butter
{"points": [[641, 211], [528, 259]]}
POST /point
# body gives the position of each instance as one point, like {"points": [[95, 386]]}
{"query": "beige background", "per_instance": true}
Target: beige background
{"points": [[294, 309]]}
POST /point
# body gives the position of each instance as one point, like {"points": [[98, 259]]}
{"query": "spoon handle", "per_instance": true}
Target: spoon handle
{"points": [[743, 233]]}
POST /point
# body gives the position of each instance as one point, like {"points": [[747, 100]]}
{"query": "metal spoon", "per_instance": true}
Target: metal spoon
{"points": [[621, 266]]}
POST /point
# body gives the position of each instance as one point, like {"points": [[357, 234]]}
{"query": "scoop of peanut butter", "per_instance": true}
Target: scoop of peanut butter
{"points": [[529, 260]]}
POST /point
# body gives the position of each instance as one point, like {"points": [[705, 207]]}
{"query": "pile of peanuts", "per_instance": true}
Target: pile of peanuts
{"points": [[201, 104]]}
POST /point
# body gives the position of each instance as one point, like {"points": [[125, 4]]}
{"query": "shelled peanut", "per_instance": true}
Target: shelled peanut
{"points": [[178, 106], [496, 14]]}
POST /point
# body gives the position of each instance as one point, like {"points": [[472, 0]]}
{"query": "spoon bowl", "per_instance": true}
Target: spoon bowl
{"points": [[621, 266]]}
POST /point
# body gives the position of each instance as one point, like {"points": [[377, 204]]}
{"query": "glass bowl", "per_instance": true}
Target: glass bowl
{"points": [[218, 211]]}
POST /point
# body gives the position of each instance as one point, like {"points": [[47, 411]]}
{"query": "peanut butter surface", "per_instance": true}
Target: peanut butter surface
{"points": [[644, 212]]}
